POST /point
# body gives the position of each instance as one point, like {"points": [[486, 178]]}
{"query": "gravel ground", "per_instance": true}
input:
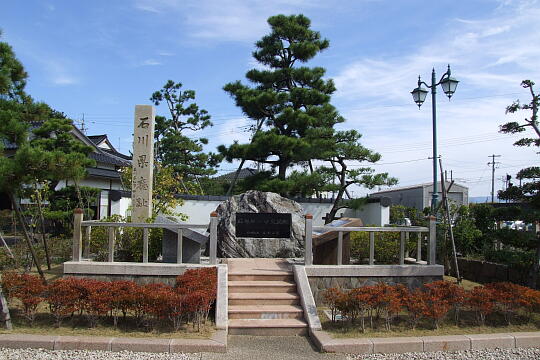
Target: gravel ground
{"points": [[491, 354], [40, 354]]}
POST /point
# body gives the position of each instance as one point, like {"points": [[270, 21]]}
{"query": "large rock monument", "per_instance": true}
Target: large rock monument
{"points": [[256, 202]]}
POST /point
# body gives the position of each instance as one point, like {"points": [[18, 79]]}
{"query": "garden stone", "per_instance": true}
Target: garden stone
{"points": [[229, 246]]}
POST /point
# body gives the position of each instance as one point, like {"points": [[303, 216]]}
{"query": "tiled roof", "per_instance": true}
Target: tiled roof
{"points": [[244, 173], [107, 158]]}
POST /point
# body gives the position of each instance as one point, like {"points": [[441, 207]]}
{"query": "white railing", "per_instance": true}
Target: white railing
{"points": [[403, 230], [78, 224]]}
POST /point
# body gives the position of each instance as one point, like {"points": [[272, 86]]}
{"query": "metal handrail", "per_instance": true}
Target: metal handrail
{"points": [[144, 225], [372, 229]]}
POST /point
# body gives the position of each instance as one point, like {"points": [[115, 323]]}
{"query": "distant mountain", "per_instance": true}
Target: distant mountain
{"points": [[480, 199]]}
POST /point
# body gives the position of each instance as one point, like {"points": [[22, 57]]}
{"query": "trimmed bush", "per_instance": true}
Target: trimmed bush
{"points": [[433, 301], [190, 300]]}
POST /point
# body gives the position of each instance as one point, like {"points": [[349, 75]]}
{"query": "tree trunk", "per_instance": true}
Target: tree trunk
{"points": [[5, 310], [341, 191], [231, 187], [335, 207], [43, 232], [26, 235], [533, 282], [282, 170]]}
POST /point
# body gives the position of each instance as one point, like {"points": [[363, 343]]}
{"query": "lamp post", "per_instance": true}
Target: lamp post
{"points": [[419, 94]]}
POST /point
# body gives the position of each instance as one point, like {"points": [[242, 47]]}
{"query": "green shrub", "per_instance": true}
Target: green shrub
{"points": [[129, 242], [386, 246]]}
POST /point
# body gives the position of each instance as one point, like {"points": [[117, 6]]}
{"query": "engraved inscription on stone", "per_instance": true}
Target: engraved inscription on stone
{"points": [[263, 225], [143, 163]]}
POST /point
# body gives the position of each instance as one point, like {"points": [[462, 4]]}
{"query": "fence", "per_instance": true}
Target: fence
{"points": [[79, 224], [308, 257], [403, 230]]}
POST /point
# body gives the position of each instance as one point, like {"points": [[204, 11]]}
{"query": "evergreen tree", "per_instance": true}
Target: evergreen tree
{"points": [[173, 147], [529, 189], [12, 74], [345, 148], [288, 103], [48, 154]]}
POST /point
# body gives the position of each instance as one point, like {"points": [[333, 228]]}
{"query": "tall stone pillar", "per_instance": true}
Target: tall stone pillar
{"points": [[143, 163]]}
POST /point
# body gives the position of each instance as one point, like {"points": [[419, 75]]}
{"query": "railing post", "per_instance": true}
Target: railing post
{"points": [[112, 235], [213, 237], [419, 248], [145, 245], [432, 260], [402, 249], [371, 248], [179, 247], [77, 234], [308, 256], [407, 237], [340, 248], [87, 234]]}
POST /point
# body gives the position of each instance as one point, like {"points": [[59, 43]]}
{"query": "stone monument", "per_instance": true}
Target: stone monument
{"points": [[231, 245], [143, 163]]}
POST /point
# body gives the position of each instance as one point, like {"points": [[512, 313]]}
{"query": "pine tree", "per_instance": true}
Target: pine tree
{"points": [[289, 104], [529, 189], [174, 148]]}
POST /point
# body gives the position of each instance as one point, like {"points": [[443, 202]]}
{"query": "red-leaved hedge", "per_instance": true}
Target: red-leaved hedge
{"points": [[433, 301], [190, 300]]}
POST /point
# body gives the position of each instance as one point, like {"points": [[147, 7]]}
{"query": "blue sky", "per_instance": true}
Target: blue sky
{"points": [[100, 58]]}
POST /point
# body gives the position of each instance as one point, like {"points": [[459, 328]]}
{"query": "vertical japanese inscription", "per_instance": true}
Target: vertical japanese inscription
{"points": [[143, 163]]}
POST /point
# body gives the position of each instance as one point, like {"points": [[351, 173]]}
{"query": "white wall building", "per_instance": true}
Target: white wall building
{"points": [[419, 196]]}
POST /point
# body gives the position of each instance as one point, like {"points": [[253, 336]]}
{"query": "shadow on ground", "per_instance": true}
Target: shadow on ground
{"points": [[271, 347]]}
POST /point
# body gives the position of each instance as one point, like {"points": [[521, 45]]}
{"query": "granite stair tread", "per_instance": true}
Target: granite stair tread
{"points": [[264, 296], [267, 323], [255, 283], [265, 308]]}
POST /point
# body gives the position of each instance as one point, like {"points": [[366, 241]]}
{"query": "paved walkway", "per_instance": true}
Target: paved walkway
{"points": [[270, 347]]}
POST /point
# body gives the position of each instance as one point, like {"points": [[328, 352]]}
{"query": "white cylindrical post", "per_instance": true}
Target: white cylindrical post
{"points": [[371, 248], [402, 249], [145, 246], [213, 238], [308, 256], [432, 260], [340, 248], [112, 235], [179, 247], [419, 248], [77, 234]]}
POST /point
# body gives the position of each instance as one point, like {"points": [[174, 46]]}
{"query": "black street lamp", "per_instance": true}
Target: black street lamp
{"points": [[419, 94]]}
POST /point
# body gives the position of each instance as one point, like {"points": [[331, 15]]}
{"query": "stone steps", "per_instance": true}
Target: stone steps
{"points": [[263, 299], [267, 327], [262, 286], [266, 312], [261, 276]]}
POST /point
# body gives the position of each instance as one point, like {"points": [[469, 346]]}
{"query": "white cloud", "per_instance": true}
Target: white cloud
{"points": [[230, 20], [59, 71], [150, 62], [490, 56]]}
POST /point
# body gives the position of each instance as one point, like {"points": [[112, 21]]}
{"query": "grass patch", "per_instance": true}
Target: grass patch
{"points": [[400, 326], [465, 284], [78, 325]]}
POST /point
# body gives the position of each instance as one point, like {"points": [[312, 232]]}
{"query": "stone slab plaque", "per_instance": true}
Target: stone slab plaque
{"points": [[263, 225], [143, 163]]}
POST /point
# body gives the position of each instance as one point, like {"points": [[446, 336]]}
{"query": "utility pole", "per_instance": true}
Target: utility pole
{"points": [[493, 163], [83, 127]]}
